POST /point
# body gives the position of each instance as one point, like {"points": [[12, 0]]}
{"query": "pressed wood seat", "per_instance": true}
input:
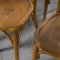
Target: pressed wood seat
{"points": [[13, 14], [49, 34]]}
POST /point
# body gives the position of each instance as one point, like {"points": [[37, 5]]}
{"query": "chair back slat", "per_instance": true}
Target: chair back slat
{"points": [[46, 3]]}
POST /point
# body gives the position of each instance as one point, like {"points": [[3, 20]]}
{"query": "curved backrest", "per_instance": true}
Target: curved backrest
{"points": [[46, 3]]}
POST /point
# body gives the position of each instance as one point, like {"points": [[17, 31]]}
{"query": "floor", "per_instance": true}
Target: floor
{"points": [[27, 37]]}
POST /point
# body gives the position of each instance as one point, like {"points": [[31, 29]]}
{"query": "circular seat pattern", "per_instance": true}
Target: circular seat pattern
{"points": [[13, 13], [49, 34]]}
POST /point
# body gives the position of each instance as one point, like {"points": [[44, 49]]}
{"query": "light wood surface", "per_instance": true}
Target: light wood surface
{"points": [[48, 34], [13, 16]]}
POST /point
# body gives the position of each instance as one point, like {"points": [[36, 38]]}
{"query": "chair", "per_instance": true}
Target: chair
{"points": [[48, 34], [13, 16]]}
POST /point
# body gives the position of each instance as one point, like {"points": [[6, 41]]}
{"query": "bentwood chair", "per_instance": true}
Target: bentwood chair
{"points": [[48, 34], [13, 16]]}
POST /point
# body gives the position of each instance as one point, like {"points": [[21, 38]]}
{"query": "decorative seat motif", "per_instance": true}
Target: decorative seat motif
{"points": [[13, 14], [48, 34]]}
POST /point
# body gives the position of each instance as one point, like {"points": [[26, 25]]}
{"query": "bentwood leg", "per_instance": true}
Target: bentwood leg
{"points": [[15, 43], [35, 51], [16, 46], [34, 15], [34, 18]]}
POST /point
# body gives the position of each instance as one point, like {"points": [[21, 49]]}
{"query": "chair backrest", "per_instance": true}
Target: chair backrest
{"points": [[46, 3]]}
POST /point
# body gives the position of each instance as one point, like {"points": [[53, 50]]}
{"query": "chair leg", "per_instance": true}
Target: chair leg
{"points": [[15, 42], [34, 14], [34, 18], [16, 46], [35, 52]]}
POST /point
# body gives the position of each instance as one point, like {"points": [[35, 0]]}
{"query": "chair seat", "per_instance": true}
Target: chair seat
{"points": [[49, 34], [13, 14]]}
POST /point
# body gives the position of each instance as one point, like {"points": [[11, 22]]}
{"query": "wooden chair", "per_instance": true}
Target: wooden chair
{"points": [[48, 34], [13, 16]]}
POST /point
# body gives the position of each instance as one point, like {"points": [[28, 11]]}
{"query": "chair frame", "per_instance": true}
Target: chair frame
{"points": [[37, 46], [14, 39]]}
